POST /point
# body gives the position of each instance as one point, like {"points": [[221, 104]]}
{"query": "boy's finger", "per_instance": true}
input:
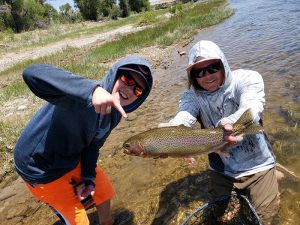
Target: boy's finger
{"points": [[117, 104], [120, 109]]}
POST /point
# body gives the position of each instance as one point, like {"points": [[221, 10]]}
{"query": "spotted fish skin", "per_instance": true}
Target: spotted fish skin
{"points": [[183, 141]]}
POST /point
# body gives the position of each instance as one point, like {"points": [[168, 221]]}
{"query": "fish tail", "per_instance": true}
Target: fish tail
{"points": [[245, 125]]}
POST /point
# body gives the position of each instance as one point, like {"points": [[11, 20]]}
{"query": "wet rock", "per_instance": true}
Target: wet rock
{"points": [[16, 220], [181, 53], [296, 98], [131, 117], [21, 108]]}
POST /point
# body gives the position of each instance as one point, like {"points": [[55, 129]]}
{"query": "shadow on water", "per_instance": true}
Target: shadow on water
{"points": [[181, 193]]}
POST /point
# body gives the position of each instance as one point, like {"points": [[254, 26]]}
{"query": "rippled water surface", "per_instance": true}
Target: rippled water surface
{"points": [[263, 36]]}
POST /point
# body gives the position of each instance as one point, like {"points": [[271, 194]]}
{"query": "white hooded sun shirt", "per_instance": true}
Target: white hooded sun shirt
{"points": [[241, 90]]}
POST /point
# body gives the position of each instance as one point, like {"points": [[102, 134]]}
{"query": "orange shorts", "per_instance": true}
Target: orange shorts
{"points": [[60, 195]]}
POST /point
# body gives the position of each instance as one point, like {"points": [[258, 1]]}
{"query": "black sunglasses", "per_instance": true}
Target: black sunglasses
{"points": [[212, 68]]}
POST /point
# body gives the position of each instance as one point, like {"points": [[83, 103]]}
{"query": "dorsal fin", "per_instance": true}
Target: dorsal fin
{"points": [[246, 117]]}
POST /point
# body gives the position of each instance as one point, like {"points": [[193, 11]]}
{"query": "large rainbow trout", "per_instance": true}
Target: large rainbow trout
{"points": [[181, 141]]}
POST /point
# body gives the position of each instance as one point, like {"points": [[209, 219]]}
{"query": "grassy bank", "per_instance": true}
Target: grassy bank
{"points": [[58, 32], [162, 33], [183, 24]]}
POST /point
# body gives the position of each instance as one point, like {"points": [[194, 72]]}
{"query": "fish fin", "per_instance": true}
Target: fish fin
{"points": [[253, 129], [246, 117], [223, 153], [183, 126], [186, 127], [190, 160], [163, 156], [220, 146], [245, 125]]}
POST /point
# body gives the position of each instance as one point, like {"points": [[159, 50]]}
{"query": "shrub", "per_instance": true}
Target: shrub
{"points": [[7, 35], [147, 18]]}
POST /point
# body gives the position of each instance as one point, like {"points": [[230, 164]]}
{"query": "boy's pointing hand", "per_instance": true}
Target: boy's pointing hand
{"points": [[103, 101]]}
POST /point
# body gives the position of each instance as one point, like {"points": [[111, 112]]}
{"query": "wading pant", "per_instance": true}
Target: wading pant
{"points": [[60, 195], [260, 188]]}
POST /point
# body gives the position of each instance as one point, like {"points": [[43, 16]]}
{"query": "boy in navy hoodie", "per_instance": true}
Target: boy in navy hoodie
{"points": [[59, 147]]}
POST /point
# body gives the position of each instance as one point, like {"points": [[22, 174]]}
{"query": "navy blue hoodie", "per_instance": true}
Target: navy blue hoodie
{"points": [[67, 130]]}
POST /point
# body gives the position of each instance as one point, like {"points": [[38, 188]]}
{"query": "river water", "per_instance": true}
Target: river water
{"points": [[262, 35]]}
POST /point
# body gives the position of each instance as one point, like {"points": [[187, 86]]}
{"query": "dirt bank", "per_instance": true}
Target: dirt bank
{"points": [[11, 58]]}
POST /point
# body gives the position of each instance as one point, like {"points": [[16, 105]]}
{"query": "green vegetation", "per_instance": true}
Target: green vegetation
{"points": [[177, 9], [25, 15], [163, 31], [10, 131], [147, 18], [57, 32]]}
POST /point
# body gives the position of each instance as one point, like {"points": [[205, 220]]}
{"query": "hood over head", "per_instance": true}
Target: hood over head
{"points": [[141, 70], [207, 50], [134, 63]]}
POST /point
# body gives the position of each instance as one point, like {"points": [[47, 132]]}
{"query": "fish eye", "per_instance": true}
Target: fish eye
{"points": [[126, 145]]}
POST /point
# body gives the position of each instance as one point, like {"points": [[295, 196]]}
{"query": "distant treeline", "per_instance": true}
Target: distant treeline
{"points": [[24, 15]]}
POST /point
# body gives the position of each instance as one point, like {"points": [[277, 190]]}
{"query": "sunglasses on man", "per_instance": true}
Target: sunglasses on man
{"points": [[127, 79], [212, 68]]}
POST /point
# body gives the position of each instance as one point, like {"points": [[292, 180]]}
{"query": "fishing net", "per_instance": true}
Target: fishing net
{"points": [[225, 210]]}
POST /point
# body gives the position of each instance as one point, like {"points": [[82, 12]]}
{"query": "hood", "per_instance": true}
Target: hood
{"points": [[209, 50], [111, 76]]}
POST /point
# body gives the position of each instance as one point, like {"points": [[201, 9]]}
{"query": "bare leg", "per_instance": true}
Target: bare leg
{"points": [[104, 213]]}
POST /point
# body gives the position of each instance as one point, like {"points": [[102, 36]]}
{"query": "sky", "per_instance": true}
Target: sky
{"points": [[57, 3]]}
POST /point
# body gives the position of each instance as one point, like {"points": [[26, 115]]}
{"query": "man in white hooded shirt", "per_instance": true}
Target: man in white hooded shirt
{"points": [[219, 96]]}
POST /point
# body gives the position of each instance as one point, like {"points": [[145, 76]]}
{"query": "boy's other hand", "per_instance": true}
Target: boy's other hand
{"points": [[83, 191]]}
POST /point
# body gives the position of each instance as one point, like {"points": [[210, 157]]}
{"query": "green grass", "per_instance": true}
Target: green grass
{"points": [[17, 88], [58, 32], [10, 131], [165, 33], [86, 61]]}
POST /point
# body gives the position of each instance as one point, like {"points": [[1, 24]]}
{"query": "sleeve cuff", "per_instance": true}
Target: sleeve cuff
{"points": [[90, 97], [89, 181]]}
